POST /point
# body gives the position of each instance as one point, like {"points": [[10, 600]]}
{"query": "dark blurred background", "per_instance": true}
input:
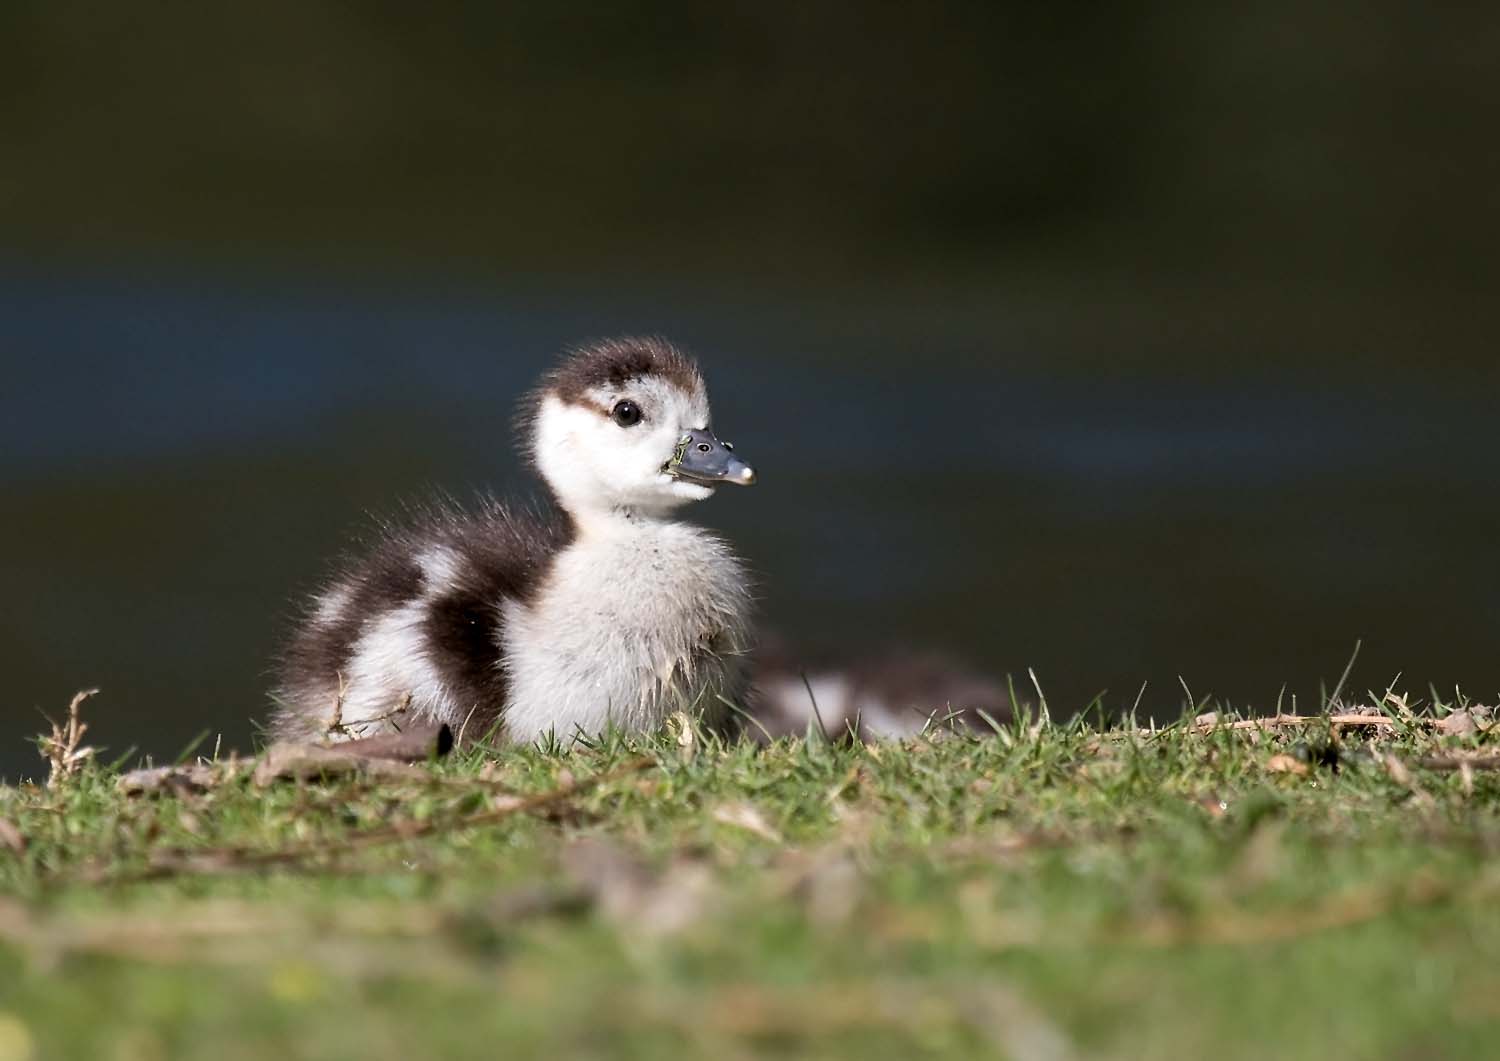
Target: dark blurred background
{"points": [[1122, 344]]}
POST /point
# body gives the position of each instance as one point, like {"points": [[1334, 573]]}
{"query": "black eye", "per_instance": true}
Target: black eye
{"points": [[626, 413]]}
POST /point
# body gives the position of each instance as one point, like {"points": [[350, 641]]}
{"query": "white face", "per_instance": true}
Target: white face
{"points": [[596, 459]]}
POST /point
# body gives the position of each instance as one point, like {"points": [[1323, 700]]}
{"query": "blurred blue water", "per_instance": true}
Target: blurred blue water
{"points": [[105, 368]]}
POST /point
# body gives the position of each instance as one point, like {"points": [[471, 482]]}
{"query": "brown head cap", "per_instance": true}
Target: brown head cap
{"points": [[609, 363]]}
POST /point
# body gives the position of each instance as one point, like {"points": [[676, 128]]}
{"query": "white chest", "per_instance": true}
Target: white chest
{"points": [[632, 625]]}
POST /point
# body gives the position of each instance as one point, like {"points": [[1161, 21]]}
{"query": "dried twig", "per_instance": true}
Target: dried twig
{"points": [[1346, 719], [336, 722], [1459, 762], [186, 780], [64, 749], [1212, 723], [337, 725], [415, 744], [389, 755]]}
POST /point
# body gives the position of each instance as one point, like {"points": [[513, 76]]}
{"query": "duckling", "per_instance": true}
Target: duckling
{"points": [[598, 610], [898, 693]]}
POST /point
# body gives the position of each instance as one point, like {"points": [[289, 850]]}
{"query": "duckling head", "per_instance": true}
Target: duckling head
{"points": [[624, 425]]}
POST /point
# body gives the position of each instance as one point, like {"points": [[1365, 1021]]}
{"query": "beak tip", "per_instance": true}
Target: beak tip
{"points": [[746, 476]]}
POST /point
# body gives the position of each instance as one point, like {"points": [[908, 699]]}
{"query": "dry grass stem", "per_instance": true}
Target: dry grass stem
{"points": [[64, 749], [1476, 761], [745, 816]]}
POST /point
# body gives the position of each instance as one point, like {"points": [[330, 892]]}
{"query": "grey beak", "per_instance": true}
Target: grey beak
{"points": [[701, 458]]}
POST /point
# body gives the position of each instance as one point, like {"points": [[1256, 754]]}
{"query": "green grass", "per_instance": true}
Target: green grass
{"points": [[1040, 892]]}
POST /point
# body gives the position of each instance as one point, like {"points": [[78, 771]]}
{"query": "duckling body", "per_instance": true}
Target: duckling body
{"points": [[602, 610], [593, 650]]}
